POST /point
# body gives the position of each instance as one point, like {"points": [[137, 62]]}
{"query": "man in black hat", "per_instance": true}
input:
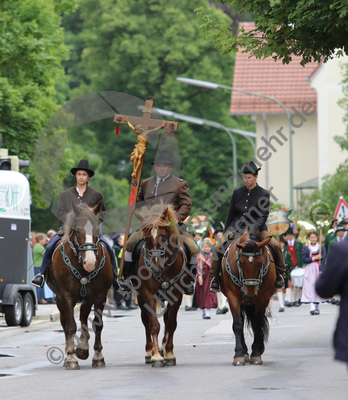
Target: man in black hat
{"points": [[169, 189], [249, 205], [330, 233], [81, 193]]}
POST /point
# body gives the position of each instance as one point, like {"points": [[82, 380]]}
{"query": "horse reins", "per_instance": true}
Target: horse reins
{"points": [[241, 282]]}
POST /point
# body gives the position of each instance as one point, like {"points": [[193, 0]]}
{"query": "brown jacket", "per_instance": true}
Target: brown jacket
{"points": [[174, 191], [91, 197]]}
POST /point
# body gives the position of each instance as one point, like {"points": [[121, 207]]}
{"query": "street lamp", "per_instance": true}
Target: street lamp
{"points": [[212, 85], [202, 121]]}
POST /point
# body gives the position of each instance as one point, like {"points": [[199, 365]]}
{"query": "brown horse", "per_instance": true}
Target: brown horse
{"points": [[248, 280], [81, 272], [163, 274]]}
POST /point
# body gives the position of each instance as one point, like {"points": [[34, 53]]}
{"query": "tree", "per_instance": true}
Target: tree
{"points": [[312, 29], [140, 48], [31, 51]]}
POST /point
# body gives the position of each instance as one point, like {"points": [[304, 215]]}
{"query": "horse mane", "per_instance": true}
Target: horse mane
{"points": [[254, 236], [70, 220], [153, 216]]}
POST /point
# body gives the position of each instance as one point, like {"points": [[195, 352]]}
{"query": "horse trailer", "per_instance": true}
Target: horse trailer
{"points": [[17, 297]]}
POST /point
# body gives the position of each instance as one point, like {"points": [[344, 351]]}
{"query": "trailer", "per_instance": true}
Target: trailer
{"points": [[17, 297]]}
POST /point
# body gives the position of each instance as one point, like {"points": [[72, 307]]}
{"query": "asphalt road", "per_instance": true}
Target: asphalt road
{"points": [[298, 361]]}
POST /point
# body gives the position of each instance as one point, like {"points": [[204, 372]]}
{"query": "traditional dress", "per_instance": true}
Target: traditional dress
{"points": [[311, 274], [205, 299]]}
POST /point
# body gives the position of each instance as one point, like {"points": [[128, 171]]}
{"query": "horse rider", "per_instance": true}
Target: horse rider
{"points": [[249, 202], [81, 193], [172, 190]]}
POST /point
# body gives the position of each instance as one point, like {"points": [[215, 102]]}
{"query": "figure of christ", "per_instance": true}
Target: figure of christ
{"points": [[140, 148]]}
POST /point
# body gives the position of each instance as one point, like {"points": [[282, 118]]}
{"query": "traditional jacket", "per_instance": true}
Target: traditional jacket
{"points": [[91, 197], [288, 263], [173, 190], [328, 238], [298, 252], [251, 205], [334, 280]]}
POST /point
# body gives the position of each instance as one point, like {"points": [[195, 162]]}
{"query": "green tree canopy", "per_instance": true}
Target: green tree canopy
{"points": [[312, 29]]}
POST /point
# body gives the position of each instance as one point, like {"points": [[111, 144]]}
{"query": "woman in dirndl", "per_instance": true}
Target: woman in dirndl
{"points": [[314, 262], [205, 299]]}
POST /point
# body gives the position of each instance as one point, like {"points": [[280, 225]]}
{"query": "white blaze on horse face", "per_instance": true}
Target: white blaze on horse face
{"points": [[154, 233], [89, 260], [251, 259]]}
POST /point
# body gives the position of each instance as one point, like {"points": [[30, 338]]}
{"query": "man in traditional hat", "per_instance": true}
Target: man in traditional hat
{"points": [[330, 234], [249, 205], [169, 189], [294, 247], [340, 233], [81, 193]]}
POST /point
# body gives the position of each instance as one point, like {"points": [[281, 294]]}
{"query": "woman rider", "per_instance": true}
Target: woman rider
{"points": [[249, 205], [81, 193]]}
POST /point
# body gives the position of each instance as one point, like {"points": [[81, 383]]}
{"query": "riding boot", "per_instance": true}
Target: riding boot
{"points": [[118, 283], [189, 289]]}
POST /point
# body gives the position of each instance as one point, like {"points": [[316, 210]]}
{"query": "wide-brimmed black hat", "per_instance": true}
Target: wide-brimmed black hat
{"points": [[163, 157], [250, 168], [84, 166]]}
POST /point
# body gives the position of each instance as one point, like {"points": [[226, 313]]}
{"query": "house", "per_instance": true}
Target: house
{"points": [[310, 94]]}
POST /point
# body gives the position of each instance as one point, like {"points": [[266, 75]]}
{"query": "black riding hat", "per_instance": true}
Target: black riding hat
{"points": [[250, 168], [84, 166]]}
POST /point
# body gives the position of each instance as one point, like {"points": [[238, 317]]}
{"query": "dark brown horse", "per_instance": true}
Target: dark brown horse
{"points": [[163, 274], [81, 272], [248, 279]]}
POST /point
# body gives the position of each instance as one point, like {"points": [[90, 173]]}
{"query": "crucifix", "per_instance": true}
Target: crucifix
{"points": [[143, 127]]}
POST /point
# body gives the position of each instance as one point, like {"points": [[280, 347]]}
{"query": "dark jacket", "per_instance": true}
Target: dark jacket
{"points": [[307, 259], [298, 252], [173, 190], [91, 197], [253, 206], [288, 263], [334, 280]]}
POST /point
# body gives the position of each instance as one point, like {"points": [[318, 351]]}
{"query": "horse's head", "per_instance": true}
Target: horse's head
{"points": [[83, 232], [157, 227], [250, 259]]}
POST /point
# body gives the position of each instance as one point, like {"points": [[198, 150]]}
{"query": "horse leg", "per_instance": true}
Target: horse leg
{"points": [[245, 348], [156, 358], [240, 350], [170, 327], [69, 325], [146, 323], [165, 336], [98, 358], [260, 326], [82, 350]]}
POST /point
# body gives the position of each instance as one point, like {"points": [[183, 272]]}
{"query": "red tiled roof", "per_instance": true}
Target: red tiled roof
{"points": [[285, 82]]}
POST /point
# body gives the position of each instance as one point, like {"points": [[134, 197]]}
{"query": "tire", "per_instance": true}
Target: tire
{"points": [[28, 310], [14, 313]]}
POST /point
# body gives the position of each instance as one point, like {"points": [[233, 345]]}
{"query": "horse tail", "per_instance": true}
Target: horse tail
{"points": [[248, 312]]}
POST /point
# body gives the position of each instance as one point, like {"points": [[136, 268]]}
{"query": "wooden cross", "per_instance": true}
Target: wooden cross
{"points": [[141, 126]]}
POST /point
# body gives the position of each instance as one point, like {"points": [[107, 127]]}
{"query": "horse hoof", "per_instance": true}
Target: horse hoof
{"points": [[256, 360], [170, 363], [148, 360], [98, 363], [246, 358], [158, 363], [72, 365], [238, 361], [82, 354]]}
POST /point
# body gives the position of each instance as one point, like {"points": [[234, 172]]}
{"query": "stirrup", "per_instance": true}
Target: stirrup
{"points": [[215, 286], [38, 280], [280, 282], [123, 285]]}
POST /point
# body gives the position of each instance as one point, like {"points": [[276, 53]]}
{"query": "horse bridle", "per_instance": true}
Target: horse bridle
{"points": [[77, 248], [241, 282]]}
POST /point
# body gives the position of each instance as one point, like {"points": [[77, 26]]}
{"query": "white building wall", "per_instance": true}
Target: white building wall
{"points": [[305, 155], [327, 82]]}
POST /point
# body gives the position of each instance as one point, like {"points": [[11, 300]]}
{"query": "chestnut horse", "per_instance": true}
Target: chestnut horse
{"points": [[162, 274], [248, 280], [81, 272]]}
